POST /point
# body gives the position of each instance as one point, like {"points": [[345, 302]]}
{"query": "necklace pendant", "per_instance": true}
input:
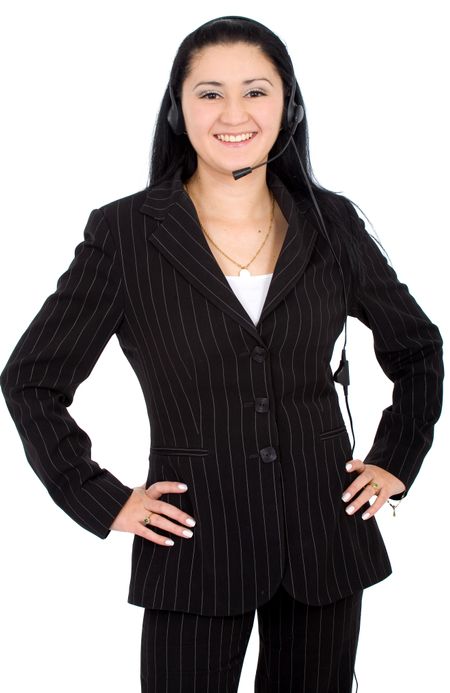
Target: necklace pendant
{"points": [[244, 273]]}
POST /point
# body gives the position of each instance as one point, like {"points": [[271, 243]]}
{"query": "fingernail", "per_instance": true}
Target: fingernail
{"points": [[348, 466], [366, 516], [187, 532], [183, 487], [190, 522], [350, 509], [169, 542], [346, 496]]}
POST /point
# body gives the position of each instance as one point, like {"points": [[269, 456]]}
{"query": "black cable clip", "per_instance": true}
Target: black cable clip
{"points": [[342, 374]]}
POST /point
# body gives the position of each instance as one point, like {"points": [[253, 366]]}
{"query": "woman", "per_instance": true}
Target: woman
{"points": [[234, 366]]}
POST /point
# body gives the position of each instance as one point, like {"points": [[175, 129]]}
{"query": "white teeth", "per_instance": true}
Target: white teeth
{"points": [[235, 138]]}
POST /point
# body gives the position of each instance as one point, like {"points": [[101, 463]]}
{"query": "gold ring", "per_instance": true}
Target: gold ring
{"points": [[374, 484], [147, 519]]}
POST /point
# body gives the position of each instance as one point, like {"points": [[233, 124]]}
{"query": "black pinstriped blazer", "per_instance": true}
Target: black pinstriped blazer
{"points": [[246, 415]]}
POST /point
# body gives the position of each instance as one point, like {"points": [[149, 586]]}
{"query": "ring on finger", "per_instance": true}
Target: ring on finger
{"points": [[147, 519], [374, 485]]}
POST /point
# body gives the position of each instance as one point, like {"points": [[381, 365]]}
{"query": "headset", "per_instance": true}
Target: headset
{"points": [[292, 116]]}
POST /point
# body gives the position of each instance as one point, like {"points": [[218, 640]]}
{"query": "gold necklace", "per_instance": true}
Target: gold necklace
{"points": [[244, 272]]}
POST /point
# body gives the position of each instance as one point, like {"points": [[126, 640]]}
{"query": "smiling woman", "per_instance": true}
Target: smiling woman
{"points": [[249, 447], [243, 112]]}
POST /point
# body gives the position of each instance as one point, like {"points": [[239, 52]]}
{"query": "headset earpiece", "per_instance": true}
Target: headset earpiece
{"points": [[175, 114], [294, 111]]}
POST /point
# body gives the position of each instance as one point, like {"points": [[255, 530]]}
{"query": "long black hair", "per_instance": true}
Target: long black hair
{"points": [[171, 152]]}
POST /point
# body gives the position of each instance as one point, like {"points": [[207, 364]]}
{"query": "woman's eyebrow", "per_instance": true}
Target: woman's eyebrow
{"points": [[246, 81]]}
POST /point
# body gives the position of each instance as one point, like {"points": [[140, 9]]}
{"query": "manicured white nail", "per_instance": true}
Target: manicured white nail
{"points": [[350, 509], [346, 496], [348, 466], [182, 486], [187, 532], [190, 522], [169, 542], [366, 516]]}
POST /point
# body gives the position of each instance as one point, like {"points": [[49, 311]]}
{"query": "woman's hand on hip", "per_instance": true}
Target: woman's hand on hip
{"points": [[144, 503], [371, 481]]}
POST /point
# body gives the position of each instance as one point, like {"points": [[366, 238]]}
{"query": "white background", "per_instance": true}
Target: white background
{"points": [[81, 86]]}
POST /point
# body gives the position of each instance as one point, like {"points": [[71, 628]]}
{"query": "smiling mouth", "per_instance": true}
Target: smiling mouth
{"points": [[241, 138]]}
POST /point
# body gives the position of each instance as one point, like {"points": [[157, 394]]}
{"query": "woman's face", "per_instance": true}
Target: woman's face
{"points": [[232, 91]]}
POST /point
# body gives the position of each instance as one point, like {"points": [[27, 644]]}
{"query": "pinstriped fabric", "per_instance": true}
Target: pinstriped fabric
{"points": [[246, 415], [55, 354], [303, 649]]}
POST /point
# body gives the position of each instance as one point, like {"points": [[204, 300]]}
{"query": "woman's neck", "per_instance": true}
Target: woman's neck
{"points": [[222, 197]]}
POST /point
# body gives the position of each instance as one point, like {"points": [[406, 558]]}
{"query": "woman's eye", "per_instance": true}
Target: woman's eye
{"points": [[256, 91], [208, 94]]}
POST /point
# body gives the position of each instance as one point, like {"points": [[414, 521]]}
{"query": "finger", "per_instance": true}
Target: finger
{"points": [[365, 495], [160, 487], [364, 477], [147, 533], [158, 520], [164, 508], [374, 508], [354, 465]]}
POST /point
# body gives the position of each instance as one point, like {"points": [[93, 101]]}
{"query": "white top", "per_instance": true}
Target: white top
{"points": [[251, 291]]}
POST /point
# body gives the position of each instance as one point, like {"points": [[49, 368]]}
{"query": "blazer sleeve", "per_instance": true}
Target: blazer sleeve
{"points": [[54, 355], [408, 347]]}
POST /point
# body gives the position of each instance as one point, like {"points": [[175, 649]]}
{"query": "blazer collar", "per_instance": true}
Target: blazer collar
{"points": [[175, 231]]}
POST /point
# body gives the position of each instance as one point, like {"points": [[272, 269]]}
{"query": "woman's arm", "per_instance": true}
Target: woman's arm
{"points": [[408, 347], [54, 355]]}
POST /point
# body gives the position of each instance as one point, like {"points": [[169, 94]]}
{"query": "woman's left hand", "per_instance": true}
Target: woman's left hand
{"points": [[388, 485]]}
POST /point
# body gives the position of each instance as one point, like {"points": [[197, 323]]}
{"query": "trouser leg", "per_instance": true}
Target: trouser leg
{"points": [[190, 653], [307, 649]]}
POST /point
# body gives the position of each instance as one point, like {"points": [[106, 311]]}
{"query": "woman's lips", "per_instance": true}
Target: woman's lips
{"points": [[236, 144]]}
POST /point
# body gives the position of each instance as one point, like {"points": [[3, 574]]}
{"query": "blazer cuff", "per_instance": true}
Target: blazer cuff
{"points": [[400, 446], [97, 504]]}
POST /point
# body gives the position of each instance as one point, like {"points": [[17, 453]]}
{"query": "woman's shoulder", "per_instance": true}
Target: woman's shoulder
{"points": [[125, 203], [153, 200], [337, 210]]}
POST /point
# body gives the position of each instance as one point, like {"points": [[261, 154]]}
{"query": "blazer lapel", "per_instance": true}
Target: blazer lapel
{"points": [[175, 231]]}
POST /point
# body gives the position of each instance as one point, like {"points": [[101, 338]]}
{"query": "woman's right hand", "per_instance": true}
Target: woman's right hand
{"points": [[144, 501]]}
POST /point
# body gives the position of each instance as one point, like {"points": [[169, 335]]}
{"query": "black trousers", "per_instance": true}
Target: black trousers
{"points": [[303, 649]]}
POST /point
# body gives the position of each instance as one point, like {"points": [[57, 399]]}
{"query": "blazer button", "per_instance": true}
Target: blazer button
{"points": [[268, 454], [259, 354], [262, 404]]}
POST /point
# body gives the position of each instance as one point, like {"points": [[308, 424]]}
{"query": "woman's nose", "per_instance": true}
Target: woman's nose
{"points": [[234, 112]]}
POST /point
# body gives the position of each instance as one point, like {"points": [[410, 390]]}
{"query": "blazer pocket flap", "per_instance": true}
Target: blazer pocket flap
{"points": [[333, 432], [186, 452]]}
